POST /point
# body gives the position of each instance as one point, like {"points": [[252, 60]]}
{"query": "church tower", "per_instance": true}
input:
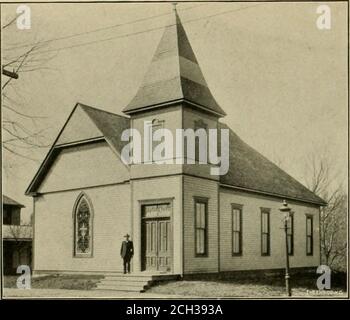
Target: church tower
{"points": [[174, 76], [174, 95]]}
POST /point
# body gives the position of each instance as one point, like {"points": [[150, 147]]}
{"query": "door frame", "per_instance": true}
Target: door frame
{"points": [[146, 202]]}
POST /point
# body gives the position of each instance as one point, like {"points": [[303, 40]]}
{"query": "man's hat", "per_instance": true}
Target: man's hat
{"points": [[127, 236]]}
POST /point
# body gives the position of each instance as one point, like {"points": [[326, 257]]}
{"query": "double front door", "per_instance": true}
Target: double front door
{"points": [[156, 238]]}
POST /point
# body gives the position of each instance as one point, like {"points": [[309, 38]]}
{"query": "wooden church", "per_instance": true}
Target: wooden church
{"points": [[182, 220]]}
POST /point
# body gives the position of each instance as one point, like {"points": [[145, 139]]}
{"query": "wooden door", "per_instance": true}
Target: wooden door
{"points": [[150, 244], [156, 244], [164, 245]]}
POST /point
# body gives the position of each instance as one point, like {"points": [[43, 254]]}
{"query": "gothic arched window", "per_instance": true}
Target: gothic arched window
{"points": [[83, 227]]}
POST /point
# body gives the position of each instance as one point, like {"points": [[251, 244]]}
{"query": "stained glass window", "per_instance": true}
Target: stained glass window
{"points": [[83, 227]]}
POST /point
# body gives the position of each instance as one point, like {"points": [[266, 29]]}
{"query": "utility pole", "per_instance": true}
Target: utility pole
{"points": [[11, 74]]}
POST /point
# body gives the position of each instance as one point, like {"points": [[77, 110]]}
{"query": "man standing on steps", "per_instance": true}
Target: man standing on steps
{"points": [[126, 252]]}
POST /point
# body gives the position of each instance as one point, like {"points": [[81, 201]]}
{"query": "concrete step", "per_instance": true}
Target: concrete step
{"points": [[117, 282], [120, 288], [165, 277], [138, 276], [127, 278], [136, 282]]}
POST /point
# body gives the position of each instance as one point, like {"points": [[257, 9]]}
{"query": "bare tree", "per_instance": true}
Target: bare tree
{"points": [[10, 22], [21, 130], [20, 232], [323, 180]]}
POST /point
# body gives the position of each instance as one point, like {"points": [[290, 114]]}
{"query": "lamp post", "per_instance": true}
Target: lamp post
{"points": [[286, 211]]}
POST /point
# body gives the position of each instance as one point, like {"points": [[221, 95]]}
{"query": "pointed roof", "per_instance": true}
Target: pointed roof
{"points": [[10, 202], [174, 75], [84, 124], [87, 123], [110, 124]]}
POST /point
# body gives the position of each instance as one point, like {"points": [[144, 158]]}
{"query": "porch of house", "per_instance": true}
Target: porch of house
{"points": [[16, 253]]}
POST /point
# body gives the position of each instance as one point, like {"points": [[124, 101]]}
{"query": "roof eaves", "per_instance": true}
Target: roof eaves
{"points": [[154, 106], [170, 103], [320, 203]]}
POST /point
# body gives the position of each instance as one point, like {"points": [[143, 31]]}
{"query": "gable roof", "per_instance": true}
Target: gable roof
{"points": [[174, 75], [10, 202], [108, 126], [250, 170]]}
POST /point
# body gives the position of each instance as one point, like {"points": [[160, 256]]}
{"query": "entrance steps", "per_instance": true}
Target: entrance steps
{"points": [[138, 282]]}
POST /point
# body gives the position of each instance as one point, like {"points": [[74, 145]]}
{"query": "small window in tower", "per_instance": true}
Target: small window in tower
{"points": [[201, 142], [154, 126]]}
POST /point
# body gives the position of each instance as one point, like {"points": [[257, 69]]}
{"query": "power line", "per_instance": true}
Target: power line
{"points": [[144, 31], [99, 29]]}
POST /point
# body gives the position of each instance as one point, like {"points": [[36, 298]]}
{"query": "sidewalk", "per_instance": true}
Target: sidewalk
{"points": [[10, 293]]}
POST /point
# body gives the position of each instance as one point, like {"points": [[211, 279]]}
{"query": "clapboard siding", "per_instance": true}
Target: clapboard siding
{"points": [[84, 166], [197, 187], [251, 257], [54, 226]]}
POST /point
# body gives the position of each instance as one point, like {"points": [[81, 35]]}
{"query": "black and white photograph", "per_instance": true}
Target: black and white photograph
{"points": [[174, 150]]}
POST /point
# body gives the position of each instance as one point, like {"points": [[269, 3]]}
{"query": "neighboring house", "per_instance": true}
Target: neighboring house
{"points": [[17, 238], [182, 219]]}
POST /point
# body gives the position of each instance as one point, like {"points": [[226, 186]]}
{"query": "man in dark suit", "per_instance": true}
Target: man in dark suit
{"points": [[126, 252]]}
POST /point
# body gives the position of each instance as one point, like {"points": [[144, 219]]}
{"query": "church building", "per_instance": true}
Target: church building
{"points": [[182, 219]]}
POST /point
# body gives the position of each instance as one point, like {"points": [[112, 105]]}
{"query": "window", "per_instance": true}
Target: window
{"points": [[309, 235], [16, 216], [201, 142], [290, 234], [201, 208], [6, 216], [236, 229], [265, 232], [154, 126], [83, 228]]}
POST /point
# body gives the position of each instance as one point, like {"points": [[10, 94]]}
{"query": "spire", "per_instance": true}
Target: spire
{"points": [[174, 7], [174, 75]]}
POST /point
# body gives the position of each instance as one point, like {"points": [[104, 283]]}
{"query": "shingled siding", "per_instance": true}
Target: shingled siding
{"points": [[197, 187], [54, 227], [251, 258]]}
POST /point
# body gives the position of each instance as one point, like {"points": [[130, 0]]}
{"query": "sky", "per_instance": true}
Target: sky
{"points": [[281, 80]]}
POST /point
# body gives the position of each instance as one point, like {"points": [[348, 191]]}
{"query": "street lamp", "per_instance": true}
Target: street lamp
{"points": [[286, 211]]}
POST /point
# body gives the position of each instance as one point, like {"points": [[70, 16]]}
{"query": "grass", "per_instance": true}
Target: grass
{"points": [[303, 285], [269, 286], [68, 282]]}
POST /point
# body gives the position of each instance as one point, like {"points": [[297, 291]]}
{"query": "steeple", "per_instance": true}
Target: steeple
{"points": [[174, 75]]}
